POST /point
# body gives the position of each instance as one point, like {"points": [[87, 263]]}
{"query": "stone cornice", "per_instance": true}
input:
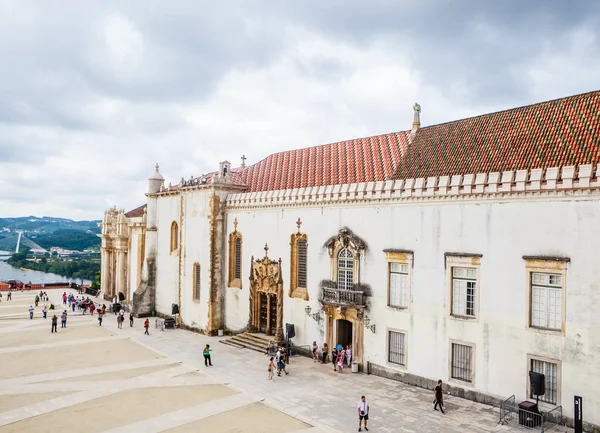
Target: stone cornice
{"points": [[522, 184]]}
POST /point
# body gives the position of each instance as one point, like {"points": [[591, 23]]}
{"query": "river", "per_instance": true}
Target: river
{"points": [[7, 272]]}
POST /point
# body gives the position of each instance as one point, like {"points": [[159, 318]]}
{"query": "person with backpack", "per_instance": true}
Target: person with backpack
{"points": [[147, 326]]}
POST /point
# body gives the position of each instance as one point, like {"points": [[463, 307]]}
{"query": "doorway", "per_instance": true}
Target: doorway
{"points": [[264, 313], [344, 332]]}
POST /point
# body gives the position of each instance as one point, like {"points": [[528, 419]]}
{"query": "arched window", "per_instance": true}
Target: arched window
{"points": [[345, 266], [174, 236]]}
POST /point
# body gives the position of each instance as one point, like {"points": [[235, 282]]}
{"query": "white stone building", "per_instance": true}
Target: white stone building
{"points": [[463, 251]]}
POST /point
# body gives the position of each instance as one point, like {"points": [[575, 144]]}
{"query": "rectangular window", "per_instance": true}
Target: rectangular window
{"points": [[464, 281], [550, 372], [396, 347], [462, 362], [238, 258], [546, 300], [196, 282], [302, 254], [399, 282]]}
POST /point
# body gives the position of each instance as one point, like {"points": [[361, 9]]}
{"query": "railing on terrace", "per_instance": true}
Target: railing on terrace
{"points": [[342, 297]]}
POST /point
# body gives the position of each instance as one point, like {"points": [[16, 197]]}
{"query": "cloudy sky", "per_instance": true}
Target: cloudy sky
{"points": [[94, 93]]}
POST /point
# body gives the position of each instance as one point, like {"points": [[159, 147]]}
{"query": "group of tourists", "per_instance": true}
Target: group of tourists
{"points": [[340, 355], [277, 363], [43, 296]]}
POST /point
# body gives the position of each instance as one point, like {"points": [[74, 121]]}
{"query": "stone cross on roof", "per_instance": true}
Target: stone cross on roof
{"points": [[243, 161], [417, 118]]}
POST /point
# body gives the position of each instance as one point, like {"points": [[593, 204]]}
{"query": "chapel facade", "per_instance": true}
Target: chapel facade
{"points": [[464, 251]]}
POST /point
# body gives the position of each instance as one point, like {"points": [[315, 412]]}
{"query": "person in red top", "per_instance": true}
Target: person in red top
{"points": [[92, 308], [146, 325]]}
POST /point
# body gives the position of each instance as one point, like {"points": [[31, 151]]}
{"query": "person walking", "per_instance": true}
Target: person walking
{"points": [[54, 323], [100, 316], [207, 360], [438, 393], [45, 311], [73, 306], [271, 368], [363, 413], [146, 325], [349, 354], [31, 310], [63, 319], [281, 363], [315, 348], [131, 319], [340, 362], [37, 300], [92, 308], [9, 296]]}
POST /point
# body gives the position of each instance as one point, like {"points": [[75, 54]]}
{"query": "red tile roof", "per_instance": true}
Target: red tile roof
{"points": [[359, 160], [137, 212], [556, 133]]}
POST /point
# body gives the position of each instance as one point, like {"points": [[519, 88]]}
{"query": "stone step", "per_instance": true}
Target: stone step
{"points": [[232, 343], [258, 339]]}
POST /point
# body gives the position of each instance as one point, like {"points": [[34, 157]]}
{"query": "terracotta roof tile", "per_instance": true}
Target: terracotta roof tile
{"points": [[359, 160], [137, 212], [556, 133]]}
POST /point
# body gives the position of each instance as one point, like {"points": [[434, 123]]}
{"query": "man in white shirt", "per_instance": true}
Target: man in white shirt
{"points": [[363, 413]]}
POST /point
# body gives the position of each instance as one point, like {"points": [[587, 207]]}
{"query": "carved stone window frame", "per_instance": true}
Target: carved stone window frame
{"points": [[345, 239], [295, 290], [174, 239], [463, 260], [233, 280], [547, 265], [404, 257]]}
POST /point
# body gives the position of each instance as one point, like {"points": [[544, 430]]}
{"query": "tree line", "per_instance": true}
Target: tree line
{"points": [[87, 269]]}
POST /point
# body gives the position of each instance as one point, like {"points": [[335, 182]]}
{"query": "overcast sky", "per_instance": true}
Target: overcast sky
{"points": [[94, 93]]}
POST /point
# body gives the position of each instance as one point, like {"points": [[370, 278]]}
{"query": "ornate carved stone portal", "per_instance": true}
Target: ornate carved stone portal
{"points": [[266, 296]]}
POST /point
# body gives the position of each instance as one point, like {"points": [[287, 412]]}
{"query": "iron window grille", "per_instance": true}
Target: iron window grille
{"points": [[238, 258], [549, 370], [462, 362], [396, 347], [302, 256], [197, 282]]}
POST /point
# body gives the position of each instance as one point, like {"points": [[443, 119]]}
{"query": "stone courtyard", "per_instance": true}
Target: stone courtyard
{"points": [[93, 379]]}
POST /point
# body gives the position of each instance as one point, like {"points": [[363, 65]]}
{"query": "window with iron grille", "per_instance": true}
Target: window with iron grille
{"points": [[238, 258], [462, 362], [464, 281], [196, 282], [345, 269], [399, 283], [546, 300], [302, 255], [550, 372], [396, 347]]}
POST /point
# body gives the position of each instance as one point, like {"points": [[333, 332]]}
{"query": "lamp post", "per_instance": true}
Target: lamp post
{"points": [[367, 322], [315, 316]]}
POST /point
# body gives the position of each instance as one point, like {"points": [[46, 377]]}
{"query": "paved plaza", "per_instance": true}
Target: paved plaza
{"points": [[92, 379]]}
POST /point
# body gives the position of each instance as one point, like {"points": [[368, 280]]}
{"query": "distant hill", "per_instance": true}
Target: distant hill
{"points": [[47, 224], [46, 232], [68, 239]]}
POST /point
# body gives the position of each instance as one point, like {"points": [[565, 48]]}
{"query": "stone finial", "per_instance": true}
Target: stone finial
{"points": [[243, 161], [266, 250], [156, 166], [235, 224], [299, 224], [417, 118]]}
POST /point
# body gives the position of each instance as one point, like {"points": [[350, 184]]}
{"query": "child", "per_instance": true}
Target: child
{"points": [[147, 325], [271, 368], [315, 347]]}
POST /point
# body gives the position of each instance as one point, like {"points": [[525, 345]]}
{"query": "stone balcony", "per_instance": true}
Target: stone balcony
{"points": [[342, 297]]}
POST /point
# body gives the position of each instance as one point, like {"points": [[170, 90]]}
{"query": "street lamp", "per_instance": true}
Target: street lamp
{"points": [[370, 327], [315, 316]]}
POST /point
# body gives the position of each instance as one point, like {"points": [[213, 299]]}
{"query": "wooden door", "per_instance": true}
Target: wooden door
{"points": [[264, 311], [273, 315]]}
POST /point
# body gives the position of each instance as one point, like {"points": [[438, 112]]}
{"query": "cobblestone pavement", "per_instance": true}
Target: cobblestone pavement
{"points": [[100, 381], [322, 397]]}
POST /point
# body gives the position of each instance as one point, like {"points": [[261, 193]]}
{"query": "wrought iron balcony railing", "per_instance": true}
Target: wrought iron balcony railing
{"points": [[342, 297]]}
